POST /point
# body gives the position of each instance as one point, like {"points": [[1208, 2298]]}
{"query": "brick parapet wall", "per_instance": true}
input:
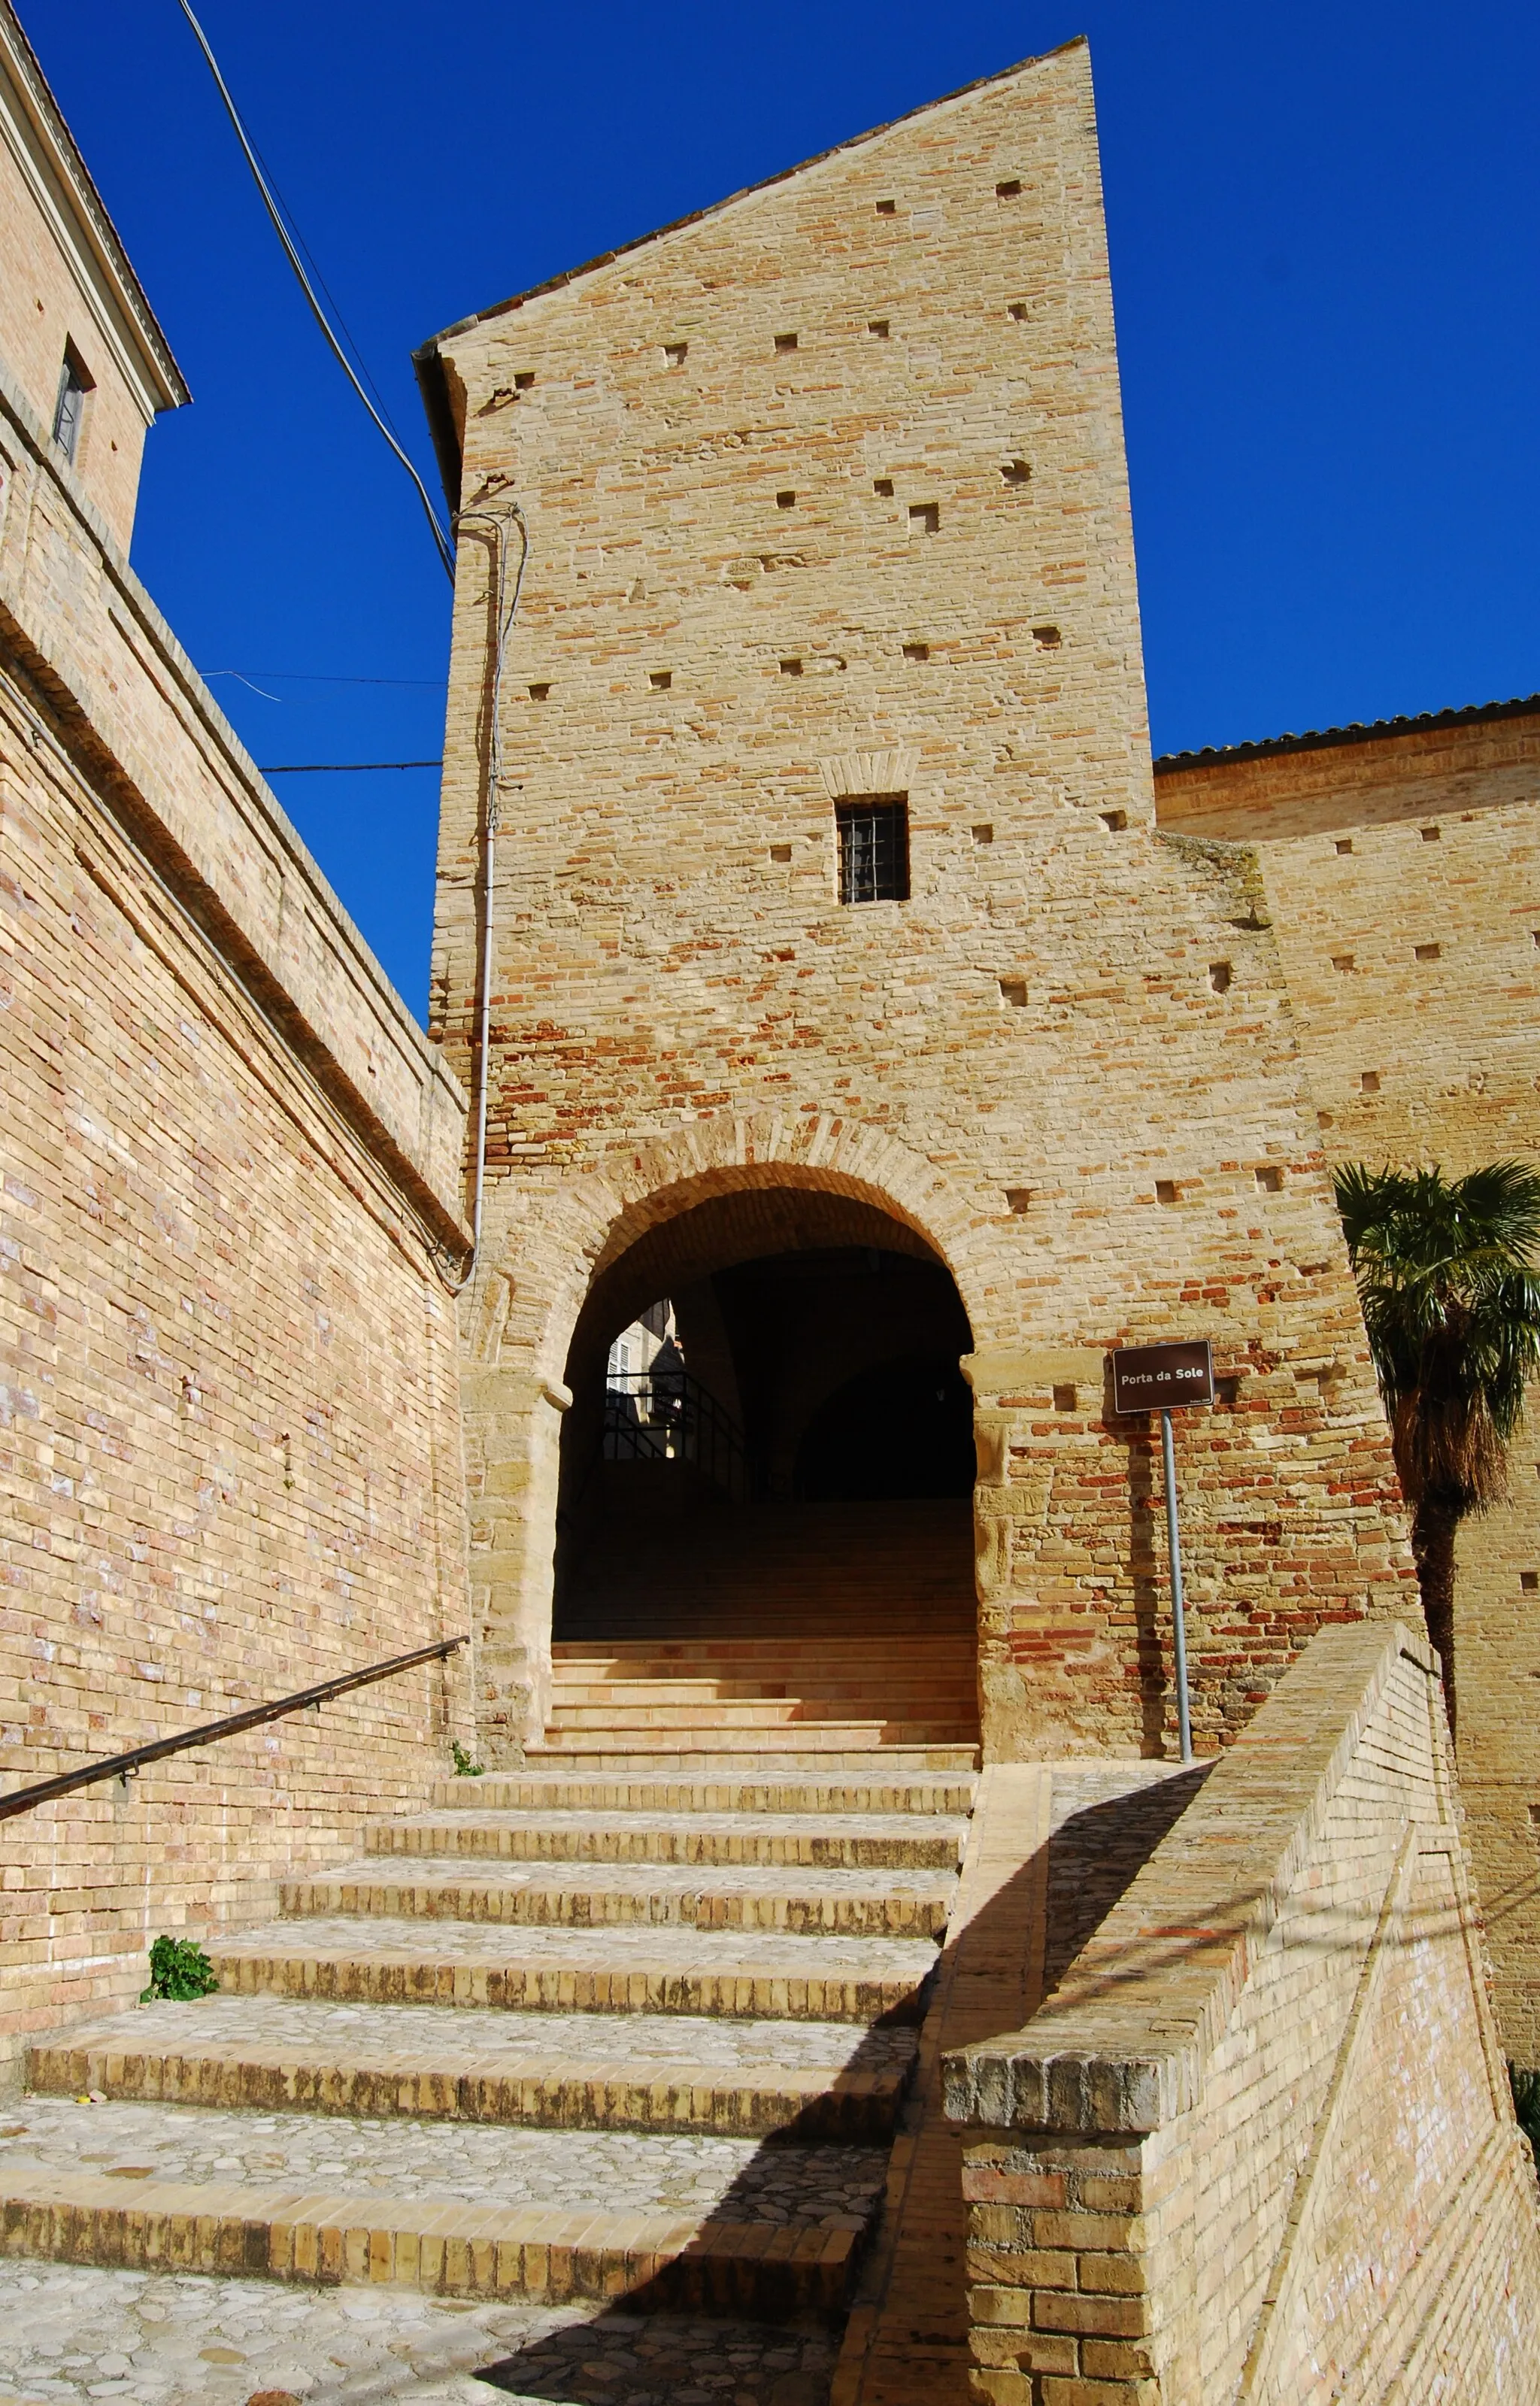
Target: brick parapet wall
{"points": [[149, 739], [230, 1456], [1258, 2145]]}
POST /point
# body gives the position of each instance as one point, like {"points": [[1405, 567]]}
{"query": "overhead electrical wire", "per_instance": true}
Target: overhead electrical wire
{"points": [[313, 676], [292, 251], [493, 520]]}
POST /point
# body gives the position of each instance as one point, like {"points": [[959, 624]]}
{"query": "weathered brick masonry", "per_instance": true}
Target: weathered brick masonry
{"points": [[825, 498], [1259, 2146], [1402, 870], [228, 1456]]}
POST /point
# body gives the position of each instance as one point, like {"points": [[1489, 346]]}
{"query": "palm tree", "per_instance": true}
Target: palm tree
{"points": [[1451, 1304]]}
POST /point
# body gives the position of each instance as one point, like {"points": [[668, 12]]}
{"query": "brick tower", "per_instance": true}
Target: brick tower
{"points": [[826, 878]]}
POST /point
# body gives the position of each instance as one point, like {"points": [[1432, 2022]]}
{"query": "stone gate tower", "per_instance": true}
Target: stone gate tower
{"points": [[828, 911]]}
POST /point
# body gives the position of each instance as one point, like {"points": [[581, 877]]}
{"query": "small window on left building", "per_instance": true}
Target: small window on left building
{"points": [[75, 382]]}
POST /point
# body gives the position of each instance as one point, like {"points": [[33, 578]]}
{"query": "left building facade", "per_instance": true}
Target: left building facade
{"points": [[230, 1216]]}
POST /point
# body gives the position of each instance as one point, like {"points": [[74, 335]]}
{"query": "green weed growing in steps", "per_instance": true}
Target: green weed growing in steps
{"points": [[465, 1767], [1526, 2102], [179, 1970]]}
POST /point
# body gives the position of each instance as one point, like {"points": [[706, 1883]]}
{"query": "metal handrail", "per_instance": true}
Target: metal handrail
{"points": [[121, 1766], [667, 1415]]}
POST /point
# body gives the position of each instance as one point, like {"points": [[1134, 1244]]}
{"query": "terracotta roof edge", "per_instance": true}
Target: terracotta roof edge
{"points": [[1325, 739]]}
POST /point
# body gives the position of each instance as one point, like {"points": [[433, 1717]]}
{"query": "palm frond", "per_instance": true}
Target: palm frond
{"points": [[1450, 1290]]}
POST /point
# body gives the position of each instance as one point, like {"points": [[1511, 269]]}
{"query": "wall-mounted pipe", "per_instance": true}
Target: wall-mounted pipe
{"points": [[496, 522]]}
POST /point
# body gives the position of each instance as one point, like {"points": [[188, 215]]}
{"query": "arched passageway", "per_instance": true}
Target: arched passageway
{"points": [[769, 1447]]}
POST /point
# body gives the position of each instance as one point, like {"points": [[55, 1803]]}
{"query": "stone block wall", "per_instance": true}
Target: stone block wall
{"points": [[230, 1460], [1372, 848], [825, 498], [1258, 2145]]}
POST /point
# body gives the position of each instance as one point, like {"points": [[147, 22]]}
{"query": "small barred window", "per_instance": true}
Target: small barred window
{"points": [[875, 849]]}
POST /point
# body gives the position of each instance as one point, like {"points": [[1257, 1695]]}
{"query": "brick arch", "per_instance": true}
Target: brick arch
{"points": [[743, 1225], [551, 1249]]}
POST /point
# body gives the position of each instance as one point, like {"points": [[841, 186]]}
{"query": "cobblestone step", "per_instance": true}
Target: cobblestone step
{"points": [[70, 2333], [730, 1790], [842, 1904], [460, 2210], [746, 1974], [809, 2081], [859, 1841]]}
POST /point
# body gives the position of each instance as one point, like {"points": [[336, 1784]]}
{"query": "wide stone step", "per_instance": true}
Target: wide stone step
{"points": [[789, 1735], [744, 1975], [806, 2081], [675, 1711], [849, 1842], [754, 1647], [730, 1791], [458, 2210], [841, 1904], [707, 1624], [760, 1755], [196, 2342], [921, 1691]]}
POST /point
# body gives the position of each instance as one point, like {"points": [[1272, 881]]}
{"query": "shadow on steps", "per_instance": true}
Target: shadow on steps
{"points": [[650, 2349]]}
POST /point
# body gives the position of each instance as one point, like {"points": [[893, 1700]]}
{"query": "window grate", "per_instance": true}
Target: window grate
{"points": [[874, 850]]}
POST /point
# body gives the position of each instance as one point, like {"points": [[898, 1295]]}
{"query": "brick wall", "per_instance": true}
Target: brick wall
{"points": [[1258, 2145], [1369, 849], [228, 1437], [894, 558]]}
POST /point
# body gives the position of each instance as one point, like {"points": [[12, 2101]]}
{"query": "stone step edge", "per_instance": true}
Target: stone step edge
{"points": [[460, 1979], [535, 1790], [510, 1907], [806, 2103], [848, 1700], [768, 1713], [446, 2249], [822, 1649], [759, 1761], [484, 1839]]}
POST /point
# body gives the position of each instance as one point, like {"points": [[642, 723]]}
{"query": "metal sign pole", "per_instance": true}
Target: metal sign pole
{"points": [[1173, 1540]]}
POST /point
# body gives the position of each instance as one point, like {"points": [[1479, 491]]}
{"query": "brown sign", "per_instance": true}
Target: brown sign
{"points": [[1157, 1377]]}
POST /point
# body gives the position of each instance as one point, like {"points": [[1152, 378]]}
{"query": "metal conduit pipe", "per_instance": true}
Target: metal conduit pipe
{"points": [[496, 522]]}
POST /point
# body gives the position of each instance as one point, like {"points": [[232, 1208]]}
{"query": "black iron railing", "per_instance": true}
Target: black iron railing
{"points": [[122, 1766], [667, 1416]]}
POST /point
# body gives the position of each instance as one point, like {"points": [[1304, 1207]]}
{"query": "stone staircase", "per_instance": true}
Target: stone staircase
{"points": [[914, 1698], [634, 2023], [841, 1631]]}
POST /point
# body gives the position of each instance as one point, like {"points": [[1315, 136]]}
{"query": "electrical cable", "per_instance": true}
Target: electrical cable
{"points": [[442, 542], [311, 676], [498, 522], [340, 767]]}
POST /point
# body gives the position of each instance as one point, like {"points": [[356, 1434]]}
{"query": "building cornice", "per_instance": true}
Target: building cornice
{"points": [[71, 206]]}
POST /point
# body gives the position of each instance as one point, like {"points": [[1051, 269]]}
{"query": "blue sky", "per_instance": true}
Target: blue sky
{"points": [[1325, 223]]}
